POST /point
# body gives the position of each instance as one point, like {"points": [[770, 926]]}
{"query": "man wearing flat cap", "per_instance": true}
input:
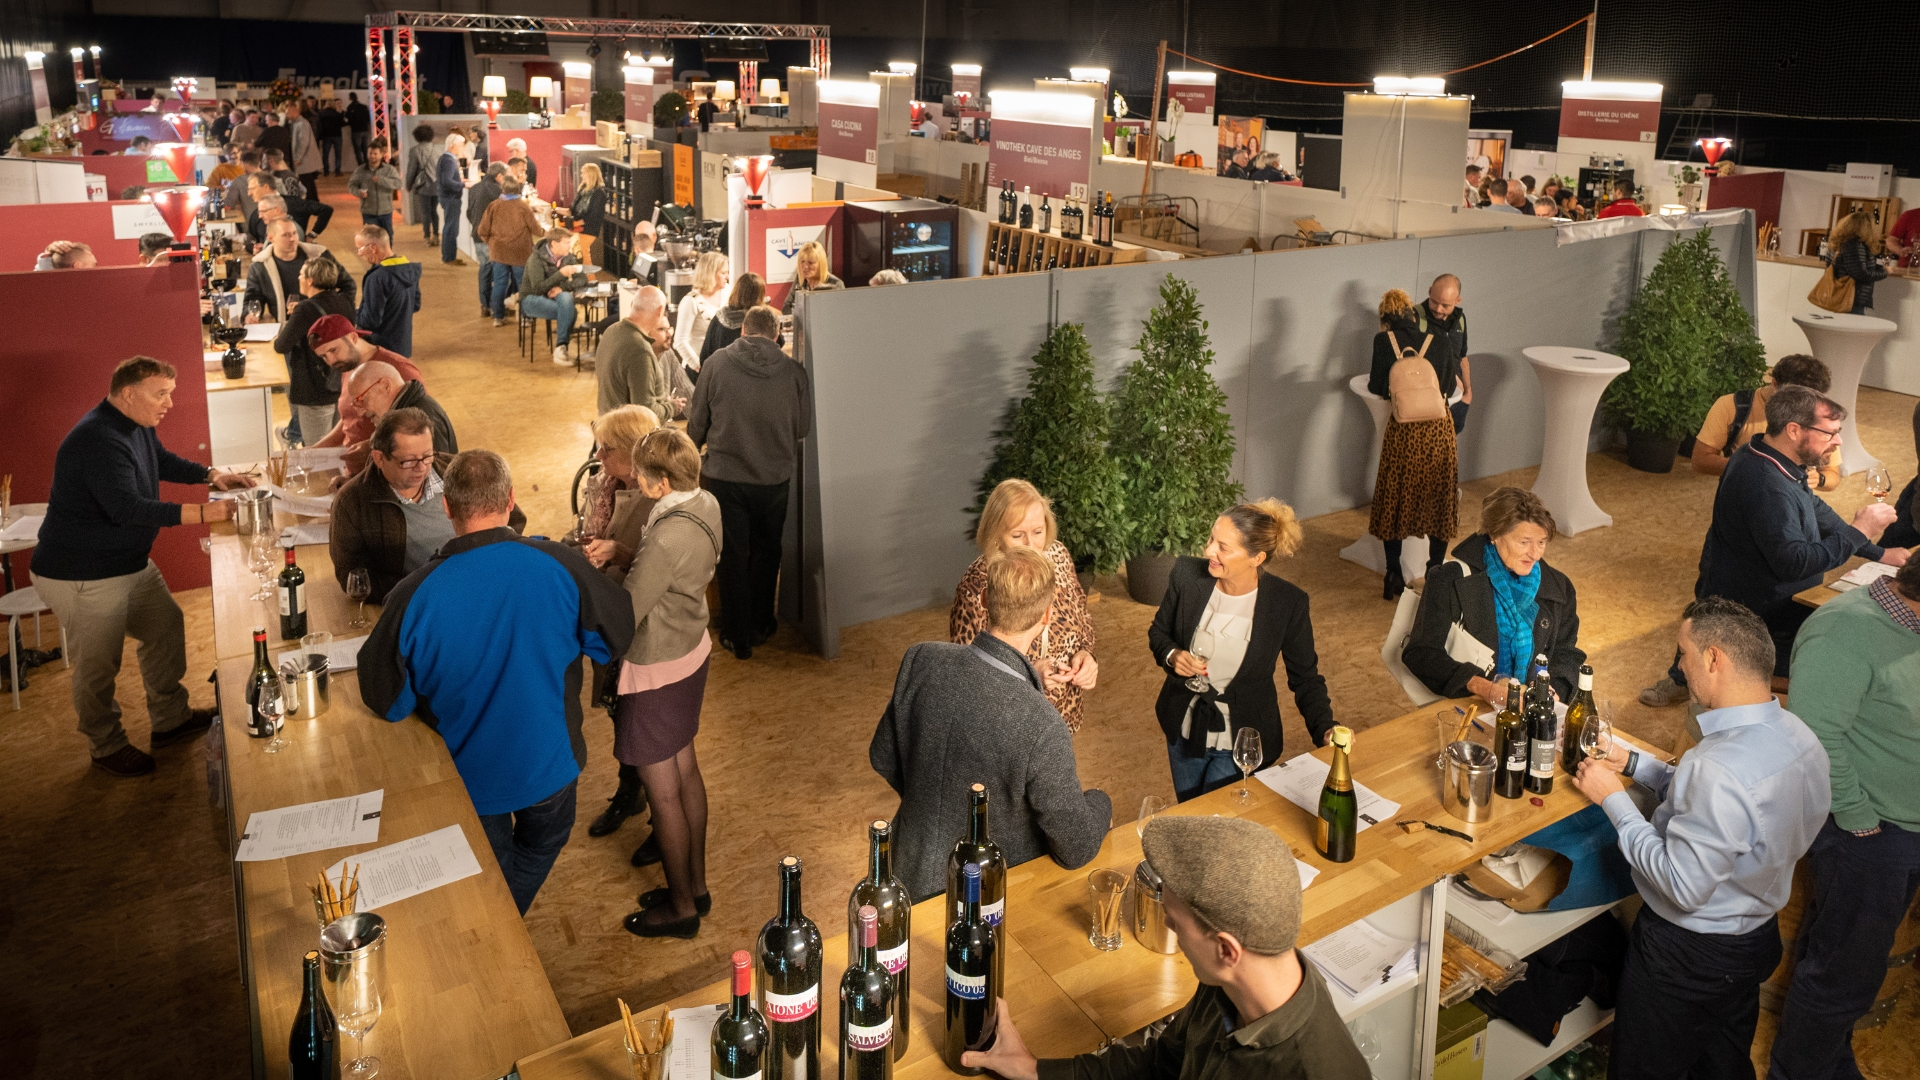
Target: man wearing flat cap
{"points": [[1232, 893]]}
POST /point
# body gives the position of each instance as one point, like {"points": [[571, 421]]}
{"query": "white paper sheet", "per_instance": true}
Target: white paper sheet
{"points": [[1864, 574], [314, 826], [1492, 911], [1308, 872], [264, 331], [343, 654], [308, 532], [1301, 778], [26, 527], [316, 458], [410, 867], [1357, 957], [688, 1057]]}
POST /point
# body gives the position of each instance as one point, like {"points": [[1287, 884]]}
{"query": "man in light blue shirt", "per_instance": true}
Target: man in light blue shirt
{"points": [[1715, 865]]}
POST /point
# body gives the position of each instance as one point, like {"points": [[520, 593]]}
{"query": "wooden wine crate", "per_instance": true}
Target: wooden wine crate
{"points": [[1053, 251]]}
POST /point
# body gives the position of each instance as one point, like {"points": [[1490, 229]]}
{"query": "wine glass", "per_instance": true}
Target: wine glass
{"points": [[260, 553], [1149, 806], [272, 706], [1246, 754], [359, 587], [1199, 650], [1596, 734], [355, 983], [1879, 483]]}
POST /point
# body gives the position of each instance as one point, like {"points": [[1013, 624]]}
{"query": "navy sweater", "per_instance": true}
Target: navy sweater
{"points": [[389, 295], [483, 644], [105, 510]]}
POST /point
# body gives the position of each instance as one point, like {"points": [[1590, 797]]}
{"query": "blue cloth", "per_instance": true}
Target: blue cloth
{"points": [[385, 221], [1514, 610], [105, 511], [558, 308], [1600, 873], [1735, 815], [527, 841], [389, 295], [1195, 776], [506, 281], [449, 228]]}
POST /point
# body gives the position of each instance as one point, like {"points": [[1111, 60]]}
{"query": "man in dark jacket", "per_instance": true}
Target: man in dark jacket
{"points": [[976, 714], [378, 388], [359, 126], [328, 126], [389, 294], [479, 196], [751, 408], [274, 136], [507, 702], [1441, 315]]}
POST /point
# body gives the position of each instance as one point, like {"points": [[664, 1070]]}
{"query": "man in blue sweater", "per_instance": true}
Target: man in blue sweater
{"points": [[483, 645], [389, 294], [92, 569]]}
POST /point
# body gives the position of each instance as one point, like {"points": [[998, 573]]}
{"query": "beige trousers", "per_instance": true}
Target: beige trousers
{"points": [[98, 617]]}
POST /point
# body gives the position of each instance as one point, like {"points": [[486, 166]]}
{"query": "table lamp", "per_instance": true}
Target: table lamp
{"points": [[770, 90], [1714, 149], [179, 158], [492, 89]]}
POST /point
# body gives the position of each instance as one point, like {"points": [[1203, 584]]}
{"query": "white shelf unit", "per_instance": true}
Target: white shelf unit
{"points": [[1514, 1055], [1401, 919], [1523, 933]]}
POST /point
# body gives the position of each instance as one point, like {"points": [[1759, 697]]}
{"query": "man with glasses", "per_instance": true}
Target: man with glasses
{"points": [[378, 388], [342, 346]]}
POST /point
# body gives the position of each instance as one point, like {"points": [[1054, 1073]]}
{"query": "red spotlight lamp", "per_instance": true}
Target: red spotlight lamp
{"points": [[754, 169], [1714, 149], [179, 158], [492, 89], [180, 208]]}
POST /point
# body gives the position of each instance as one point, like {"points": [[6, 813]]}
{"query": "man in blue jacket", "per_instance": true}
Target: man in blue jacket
{"points": [[389, 294], [483, 645]]}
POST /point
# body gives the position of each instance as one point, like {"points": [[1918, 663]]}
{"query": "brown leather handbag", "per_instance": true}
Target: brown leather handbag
{"points": [[1832, 292]]}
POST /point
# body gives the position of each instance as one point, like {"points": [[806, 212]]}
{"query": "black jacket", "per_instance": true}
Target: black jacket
{"points": [[105, 511], [1282, 627], [359, 117], [722, 330], [1407, 333], [310, 380], [479, 196], [1854, 260], [590, 209], [414, 396], [1459, 592]]}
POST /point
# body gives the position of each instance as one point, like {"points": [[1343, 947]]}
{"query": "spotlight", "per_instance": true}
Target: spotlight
{"points": [[593, 49]]}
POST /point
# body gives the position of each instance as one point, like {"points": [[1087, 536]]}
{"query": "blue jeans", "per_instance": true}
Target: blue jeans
{"points": [[526, 842], [330, 151], [385, 221], [486, 272], [449, 228], [558, 308], [425, 214], [1194, 777], [506, 281]]}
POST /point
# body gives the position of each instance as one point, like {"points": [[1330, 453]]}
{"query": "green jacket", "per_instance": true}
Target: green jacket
{"points": [[1855, 681], [374, 188], [543, 273]]}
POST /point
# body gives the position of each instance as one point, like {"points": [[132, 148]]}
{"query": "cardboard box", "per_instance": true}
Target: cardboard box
{"points": [[643, 158], [1460, 1046]]}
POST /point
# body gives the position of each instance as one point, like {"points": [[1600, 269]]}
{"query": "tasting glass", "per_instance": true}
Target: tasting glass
{"points": [[353, 967], [315, 645], [272, 706], [359, 587], [1247, 755], [1107, 888], [1879, 483], [260, 548], [1201, 648], [1596, 735], [1149, 806], [642, 1065]]}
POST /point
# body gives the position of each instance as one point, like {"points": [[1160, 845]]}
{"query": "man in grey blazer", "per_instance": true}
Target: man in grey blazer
{"points": [[975, 714]]}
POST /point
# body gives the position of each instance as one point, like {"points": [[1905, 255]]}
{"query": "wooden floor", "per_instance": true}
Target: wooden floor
{"points": [[117, 918]]}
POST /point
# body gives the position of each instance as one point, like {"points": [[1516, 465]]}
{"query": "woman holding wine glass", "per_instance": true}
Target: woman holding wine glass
{"points": [[1245, 621]]}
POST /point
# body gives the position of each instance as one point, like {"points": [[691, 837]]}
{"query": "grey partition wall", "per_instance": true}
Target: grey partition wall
{"points": [[910, 383]]}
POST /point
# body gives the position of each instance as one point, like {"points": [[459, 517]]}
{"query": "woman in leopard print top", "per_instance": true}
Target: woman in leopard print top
{"points": [[1017, 514]]}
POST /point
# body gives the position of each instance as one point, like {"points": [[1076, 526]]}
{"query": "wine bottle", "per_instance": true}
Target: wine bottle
{"points": [[313, 1049], [261, 675], [1541, 723], [739, 1045], [867, 1015], [1026, 208], [293, 600], [1046, 214], [789, 990], [893, 908], [1339, 819], [973, 982], [1106, 221], [1510, 746], [977, 848], [1578, 714]]}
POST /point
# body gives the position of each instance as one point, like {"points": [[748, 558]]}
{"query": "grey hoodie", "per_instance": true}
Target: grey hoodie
{"points": [[751, 408]]}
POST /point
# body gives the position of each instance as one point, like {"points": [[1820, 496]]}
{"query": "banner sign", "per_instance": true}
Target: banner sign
{"points": [[850, 132], [639, 86], [683, 174], [783, 251], [1620, 121], [968, 85], [1194, 92], [579, 91], [1052, 159]]}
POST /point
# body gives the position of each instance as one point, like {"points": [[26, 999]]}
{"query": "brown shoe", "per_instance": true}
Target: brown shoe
{"points": [[125, 761], [198, 721]]}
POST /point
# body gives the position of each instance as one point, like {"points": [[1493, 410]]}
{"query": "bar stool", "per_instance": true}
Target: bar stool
{"points": [[15, 606]]}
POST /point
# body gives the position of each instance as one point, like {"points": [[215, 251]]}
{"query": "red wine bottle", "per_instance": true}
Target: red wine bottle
{"points": [[1542, 730], [740, 1037], [789, 990], [293, 600], [261, 675], [888, 898], [313, 1050], [972, 983], [978, 849], [866, 1008]]}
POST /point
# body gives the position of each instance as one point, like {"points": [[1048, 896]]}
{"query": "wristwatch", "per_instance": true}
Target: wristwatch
{"points": [[1633, 762]]}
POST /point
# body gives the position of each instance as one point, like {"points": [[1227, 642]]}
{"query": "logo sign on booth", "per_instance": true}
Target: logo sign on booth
{"points": [[783, 251], [1043, 142], [578, 86], [1194, 91], [966, 80], [1620, 112], [850, 132], [639, 87]]}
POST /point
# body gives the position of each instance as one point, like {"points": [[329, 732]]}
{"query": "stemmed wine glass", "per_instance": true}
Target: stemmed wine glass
{"points": [[359, 587], [1596, 734], [1879, 483], [272, 706], [260, 549], [1149, 806], [1247, 755], [354, 989], [1199, 684]]}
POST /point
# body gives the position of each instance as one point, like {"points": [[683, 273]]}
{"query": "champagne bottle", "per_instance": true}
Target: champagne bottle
{"points": [[1026, 208], [261, 675], [1578, 714], [887, 898], [977, 848], [867, 1014], [1106, 222], [1510, 746], [1046, 214], [293, 600], [739, 1044], [1339, 807], [313, 1049], [1541, 725], [789, 990], [973, 982]]}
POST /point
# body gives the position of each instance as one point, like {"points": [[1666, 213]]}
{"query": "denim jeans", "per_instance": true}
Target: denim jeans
{"points": [[425, 214], [526, 842], [486, 272], [449, 228], [360, 140], [506, 281], [1194, 777], [385, 221], [558, 308], [330, 151]]}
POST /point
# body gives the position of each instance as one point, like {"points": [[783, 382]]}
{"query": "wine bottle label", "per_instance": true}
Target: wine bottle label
{"points": [[298, 597], [1516, 755], [970, 987], [1541, 766], [895, 959], [790, 1008], [877, 1037], [994, 912]]}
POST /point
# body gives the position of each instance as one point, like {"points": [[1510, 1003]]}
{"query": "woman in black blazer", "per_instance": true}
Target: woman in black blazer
{"points": [[1245, 622], [1514, 527]]}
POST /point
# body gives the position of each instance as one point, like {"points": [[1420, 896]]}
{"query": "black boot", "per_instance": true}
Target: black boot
{"points": [[629, 800], [1396, 582]]}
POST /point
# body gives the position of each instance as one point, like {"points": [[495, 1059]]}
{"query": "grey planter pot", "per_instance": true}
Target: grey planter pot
{"points": [[1147, 577]]}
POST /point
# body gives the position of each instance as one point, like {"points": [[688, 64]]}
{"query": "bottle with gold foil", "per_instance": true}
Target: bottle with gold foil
{"points": [[1578, 713], [1339, 820]]}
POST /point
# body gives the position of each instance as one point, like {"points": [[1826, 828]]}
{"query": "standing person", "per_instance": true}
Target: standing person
{"points": [[706, 109], [750, 409], [1518, 198], [313, 388], [304, 158], [1470, 198], [360, 127], [1715, 865], [1856, 677], [374, 182], [235, 193], [589, 208], [664, 677], [507, 702], [1738, 418], [697, 309], [813, 275], [1623, 204], [273, 275], [1415, 490], [389, 294], [1441, 315], [517, 147], [423, 182], [222, 128], [246, 131], [1497, 191], [92, 563], [975, 713], [624, 364], [344, 348], [329, 126], [274, 136], [509, 229], [1851, 249], [451, 189], [479, 197], [749, 292], [547, 288], [1017, 515]]}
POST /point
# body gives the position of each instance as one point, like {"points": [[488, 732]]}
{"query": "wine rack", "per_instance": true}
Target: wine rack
{"points": [[1054, 251]]}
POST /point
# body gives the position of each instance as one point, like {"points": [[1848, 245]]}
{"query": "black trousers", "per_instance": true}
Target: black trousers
{"points": [[1689, 1002], [753, 518]]}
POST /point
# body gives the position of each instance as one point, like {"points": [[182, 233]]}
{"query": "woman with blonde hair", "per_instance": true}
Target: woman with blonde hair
{"points": [[1017, 515], [1851, 250], [1224, 623], [1414, 490], [814, 274], [697, 309], [589, 208]]}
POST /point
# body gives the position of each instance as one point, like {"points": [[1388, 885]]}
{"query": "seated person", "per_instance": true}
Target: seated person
{"points": [[66, 255], [1904, 532], [154, 247], [546, 289], [1232, 894], [378, 388], [1500, 592], [141, 146], [1736, 418], [965, 714], [344, 347]]}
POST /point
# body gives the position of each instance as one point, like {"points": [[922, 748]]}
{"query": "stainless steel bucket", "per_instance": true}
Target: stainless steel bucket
{"points": [[1150, 912], [310, 693], [1468, 793], [253, 511]]}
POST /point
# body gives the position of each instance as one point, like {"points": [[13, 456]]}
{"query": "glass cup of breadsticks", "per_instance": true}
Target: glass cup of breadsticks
{"points": [[647, 1041], [336, 899]]}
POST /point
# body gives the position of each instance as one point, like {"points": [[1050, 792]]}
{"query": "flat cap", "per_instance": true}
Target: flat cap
{"points": [[1238, 876]]}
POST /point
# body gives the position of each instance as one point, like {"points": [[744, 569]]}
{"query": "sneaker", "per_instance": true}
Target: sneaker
{"points": [[125, 761], [1662, 694], [499, 323], [513, 301], [560, 356]]}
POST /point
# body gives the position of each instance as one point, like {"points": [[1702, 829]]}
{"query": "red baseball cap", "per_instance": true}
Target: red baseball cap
{"points": [[329, 328]]}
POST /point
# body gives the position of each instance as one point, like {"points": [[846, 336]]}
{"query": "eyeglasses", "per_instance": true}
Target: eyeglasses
{"points": [[412, 462], [360, 399], [1828, 435]]}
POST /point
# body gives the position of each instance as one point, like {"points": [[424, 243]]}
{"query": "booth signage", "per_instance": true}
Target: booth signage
{"points": [[131, 221], [640, 99], [1619, 121], [1052, 159], [968, 85], [783, 251], [682, 174], [1196, 98], [850, 132], [579, 91]]}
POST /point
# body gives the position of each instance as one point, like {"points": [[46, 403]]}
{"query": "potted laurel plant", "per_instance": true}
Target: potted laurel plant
{"points": [[1172, 441]]}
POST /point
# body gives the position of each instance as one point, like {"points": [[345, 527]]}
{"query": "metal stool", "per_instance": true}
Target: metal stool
{"points": [[16, 605]]}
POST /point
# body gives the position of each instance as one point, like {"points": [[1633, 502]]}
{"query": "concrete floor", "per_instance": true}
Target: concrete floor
{"points": [[117, 919]]}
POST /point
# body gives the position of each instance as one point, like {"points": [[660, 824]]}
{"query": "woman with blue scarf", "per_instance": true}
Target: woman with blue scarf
{"points": [[1496, 604]]}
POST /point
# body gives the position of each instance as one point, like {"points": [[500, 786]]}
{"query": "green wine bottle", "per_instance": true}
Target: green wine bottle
{"points": [[1339, 806], [1510, 746], [1578, 714]]}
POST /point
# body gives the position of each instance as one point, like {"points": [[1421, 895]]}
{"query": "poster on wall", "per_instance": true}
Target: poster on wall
{"points": [[682, 174], [131, 221], [1488, 149], [577, 88], [1194, 90], [850, 132], [1052, 159], [1239, 143], [639, 94], [783, 250]]}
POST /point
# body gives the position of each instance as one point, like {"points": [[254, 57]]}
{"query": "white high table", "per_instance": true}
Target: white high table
{"points": [[1571, 382], [1844, 342], [1368, 551]]}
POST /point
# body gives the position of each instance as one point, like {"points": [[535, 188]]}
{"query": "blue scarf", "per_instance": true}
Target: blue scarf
{"points": [[1514, 612]]}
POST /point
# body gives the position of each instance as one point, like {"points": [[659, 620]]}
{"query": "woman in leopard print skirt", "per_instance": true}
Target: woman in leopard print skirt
{"points": [[1415, 491]]}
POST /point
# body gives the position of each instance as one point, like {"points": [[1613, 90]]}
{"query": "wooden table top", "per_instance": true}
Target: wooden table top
{"points": [[235, 613], [265, 369], [1820, 594]]}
